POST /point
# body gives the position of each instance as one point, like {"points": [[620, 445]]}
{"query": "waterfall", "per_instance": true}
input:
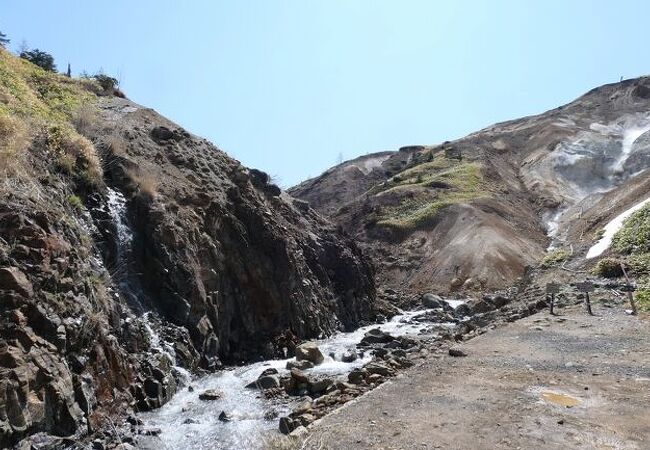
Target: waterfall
{"points": [[129, 283]]}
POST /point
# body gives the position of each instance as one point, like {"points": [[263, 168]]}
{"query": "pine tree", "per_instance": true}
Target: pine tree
{"points": [[4, 40], [40, 58]]}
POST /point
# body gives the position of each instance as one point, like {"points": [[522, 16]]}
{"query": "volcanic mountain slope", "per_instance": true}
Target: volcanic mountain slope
{"points": [[131, 250], [477, 212]]}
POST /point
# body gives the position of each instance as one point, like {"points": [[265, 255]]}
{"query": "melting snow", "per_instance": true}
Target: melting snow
{"points": [[611, 228]]}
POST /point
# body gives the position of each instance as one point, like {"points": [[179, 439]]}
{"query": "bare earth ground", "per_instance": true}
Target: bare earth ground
{"points": [[511, 391]]}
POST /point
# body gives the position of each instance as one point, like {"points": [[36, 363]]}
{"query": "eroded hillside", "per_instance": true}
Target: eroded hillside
{"points": [[480, 212]]}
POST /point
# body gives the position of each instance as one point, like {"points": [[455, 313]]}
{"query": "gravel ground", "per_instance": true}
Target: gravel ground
{"points": [[544, 382]]}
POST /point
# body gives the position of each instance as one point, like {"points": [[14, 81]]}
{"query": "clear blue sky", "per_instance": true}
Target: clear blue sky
{"points": [[285, 86]]}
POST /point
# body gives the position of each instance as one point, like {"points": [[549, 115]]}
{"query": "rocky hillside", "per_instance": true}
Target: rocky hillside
{"points": [[132, 252], [479, 212]]}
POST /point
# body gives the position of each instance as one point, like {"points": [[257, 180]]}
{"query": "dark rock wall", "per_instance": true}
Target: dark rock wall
{"points": [[226, 265]]}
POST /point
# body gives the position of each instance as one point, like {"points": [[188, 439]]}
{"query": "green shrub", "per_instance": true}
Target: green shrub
{"points": [[642, 297], [40, 58], [106, 82], [608, 268], [639, 263], [554, 257], [634, 235], [75, 202]]}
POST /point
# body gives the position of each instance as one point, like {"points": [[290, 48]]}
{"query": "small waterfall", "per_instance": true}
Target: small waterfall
{"points": [[130, 285]]}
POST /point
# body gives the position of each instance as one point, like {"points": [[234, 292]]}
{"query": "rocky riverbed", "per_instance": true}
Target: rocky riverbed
{"points": [[245, 407]]}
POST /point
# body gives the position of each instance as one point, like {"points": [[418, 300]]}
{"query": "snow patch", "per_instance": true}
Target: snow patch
{"points": [[611, 228]]}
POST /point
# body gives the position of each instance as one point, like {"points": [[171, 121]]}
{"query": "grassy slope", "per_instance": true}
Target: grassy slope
{"points": [[438, 183], [38, 105]]}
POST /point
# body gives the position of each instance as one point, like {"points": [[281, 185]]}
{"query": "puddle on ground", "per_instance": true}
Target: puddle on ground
{"points": [[560, 399]]}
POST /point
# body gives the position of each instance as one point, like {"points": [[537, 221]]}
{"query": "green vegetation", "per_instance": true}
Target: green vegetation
{"points": [[75, 202], [608, 268], [554, 257], [40, 58], [32, 93], [639, 264], [37, 105], [432, 186], [634, 235], [642, 297], [633, 240]]}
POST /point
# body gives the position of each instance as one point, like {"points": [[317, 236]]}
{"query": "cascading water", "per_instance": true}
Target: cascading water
{"points": [[187, 422], [129, 283]]}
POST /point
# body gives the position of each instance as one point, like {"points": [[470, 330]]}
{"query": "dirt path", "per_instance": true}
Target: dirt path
{"points": [[544, 382]]}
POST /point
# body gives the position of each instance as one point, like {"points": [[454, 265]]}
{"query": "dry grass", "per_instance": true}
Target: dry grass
{"points": [[145, 183], [14, 141], [69, 145], [85, 118], [115, 146]]}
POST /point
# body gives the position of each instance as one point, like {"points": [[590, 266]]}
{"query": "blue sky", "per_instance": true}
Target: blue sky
{"points": [[287, 86]]}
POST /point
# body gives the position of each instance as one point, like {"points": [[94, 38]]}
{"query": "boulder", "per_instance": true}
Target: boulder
{"points": [[309, 351], [380, 369], [287, 425], [265, 382], [375, 378], [456, 352], [224, 417], [357, 376], [12, 279], [211, 395], [299, 376], [162, 133], [303, 407], [376, 336], [349, 356], [463, 310], [269, 371], [300, 365], [268, 382], [432, 301], [305, 420], [320, 386]]}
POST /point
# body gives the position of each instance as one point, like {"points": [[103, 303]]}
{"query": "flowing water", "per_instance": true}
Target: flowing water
{"points": [[130, 285], [187, 422]]}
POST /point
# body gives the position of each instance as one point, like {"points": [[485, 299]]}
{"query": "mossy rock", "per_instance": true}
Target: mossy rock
{"points": [[554, 258]]}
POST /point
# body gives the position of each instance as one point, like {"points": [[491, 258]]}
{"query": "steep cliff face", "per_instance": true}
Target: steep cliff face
{"points": [[223, 251], [479, 212], [132, 251]]}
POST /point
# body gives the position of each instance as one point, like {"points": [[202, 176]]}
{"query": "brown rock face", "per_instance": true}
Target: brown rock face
{"points": [[222, 267], [225, 253], [480, 212]]}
